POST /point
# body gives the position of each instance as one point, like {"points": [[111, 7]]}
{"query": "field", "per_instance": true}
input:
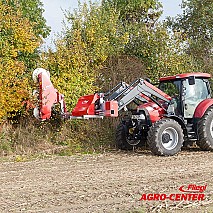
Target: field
{"points": [[110, 182]]}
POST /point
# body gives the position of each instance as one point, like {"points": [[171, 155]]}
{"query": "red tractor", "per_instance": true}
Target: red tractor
{"points": [[177, 112]]}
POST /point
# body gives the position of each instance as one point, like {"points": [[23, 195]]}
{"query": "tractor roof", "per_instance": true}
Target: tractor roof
{"points": [[186, 75]]}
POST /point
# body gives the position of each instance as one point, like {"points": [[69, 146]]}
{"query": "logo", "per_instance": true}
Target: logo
{"points": [[191, 192], [192, 188]]}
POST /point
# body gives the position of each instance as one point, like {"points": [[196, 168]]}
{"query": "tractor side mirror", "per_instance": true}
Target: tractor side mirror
{"points": [[191, 80]]}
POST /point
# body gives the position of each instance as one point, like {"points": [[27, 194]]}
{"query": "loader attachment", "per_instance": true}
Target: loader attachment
{"points": [[47, 95], [89, 106]]}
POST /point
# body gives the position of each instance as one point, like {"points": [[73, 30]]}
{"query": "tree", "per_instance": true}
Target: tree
{"points": [[16, 38], [196, 27], [90, 38], [161, 52], [32, 10], [136, 11]]}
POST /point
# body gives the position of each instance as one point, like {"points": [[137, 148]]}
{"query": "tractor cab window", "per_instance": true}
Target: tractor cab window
{"points": [[173, 88], [193, 95]]}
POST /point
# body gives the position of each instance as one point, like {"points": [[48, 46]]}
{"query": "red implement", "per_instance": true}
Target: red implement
{"points": [[85, 105], [93, 105], [48, 95]]}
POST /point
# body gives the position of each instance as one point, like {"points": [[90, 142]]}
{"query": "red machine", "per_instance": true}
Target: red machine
{"points": [[178, 112], [47, 95]]}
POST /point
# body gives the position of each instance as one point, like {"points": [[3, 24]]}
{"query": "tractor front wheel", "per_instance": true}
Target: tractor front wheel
{"points": [[165, 137], [205, 131], [123, 142]]}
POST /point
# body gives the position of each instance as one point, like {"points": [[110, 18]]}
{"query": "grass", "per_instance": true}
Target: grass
{"points": [[30, 137]]}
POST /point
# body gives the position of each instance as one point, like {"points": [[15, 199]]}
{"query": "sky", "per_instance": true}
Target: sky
{"points": [[54, 13]]}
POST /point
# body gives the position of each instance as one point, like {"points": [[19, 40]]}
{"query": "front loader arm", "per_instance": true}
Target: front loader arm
{"points": [[110, 103], [141, 88]]}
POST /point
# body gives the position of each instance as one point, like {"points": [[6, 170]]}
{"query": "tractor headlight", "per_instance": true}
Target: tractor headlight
{"points": [[138, 117]]}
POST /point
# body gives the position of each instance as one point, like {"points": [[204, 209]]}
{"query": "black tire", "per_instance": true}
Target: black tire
{"points": [[205, 131], [121, 138], [165, 137]]}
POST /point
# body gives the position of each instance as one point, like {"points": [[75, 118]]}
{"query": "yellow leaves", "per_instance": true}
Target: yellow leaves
{"points": [[16, 37], [13, 87], [17, 31], [25, 40]]}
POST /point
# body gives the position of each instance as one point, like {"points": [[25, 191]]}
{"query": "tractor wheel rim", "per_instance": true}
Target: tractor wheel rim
{"points": [[170, 138], [211, 128]]}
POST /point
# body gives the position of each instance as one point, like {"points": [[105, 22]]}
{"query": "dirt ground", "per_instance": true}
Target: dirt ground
{"points": [[111, 182]]}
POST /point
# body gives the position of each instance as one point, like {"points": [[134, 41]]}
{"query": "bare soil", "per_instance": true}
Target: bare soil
{"points": [[111, 182]]}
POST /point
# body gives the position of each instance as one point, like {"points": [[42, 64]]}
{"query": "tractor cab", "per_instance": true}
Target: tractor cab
{"points": [[187, 92]]}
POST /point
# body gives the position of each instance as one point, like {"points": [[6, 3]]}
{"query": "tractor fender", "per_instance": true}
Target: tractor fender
{"points": [[180, 121], [202, 107]]}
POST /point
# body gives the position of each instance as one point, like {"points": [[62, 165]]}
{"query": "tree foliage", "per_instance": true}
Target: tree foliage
{"points": [[16, 38], [136, 11], [99, 32], [161, 52], [196, 27], [32, 10], [92, 36], [96, 36]]}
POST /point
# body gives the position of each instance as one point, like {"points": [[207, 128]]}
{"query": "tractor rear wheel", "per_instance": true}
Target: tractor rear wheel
{"points": [[165, 137], [205, 131], [122, 141]]}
